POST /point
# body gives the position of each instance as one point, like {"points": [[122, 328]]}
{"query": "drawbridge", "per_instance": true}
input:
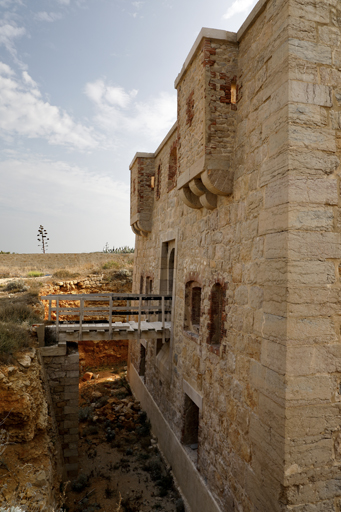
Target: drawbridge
{"points": [[92, 316]]}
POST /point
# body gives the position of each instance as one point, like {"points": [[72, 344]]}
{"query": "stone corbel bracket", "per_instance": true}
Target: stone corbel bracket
{"points": [[140, 226], [206, 179]]}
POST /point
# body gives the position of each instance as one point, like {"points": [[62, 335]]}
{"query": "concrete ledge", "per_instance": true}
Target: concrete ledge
{"points": [[209, 33], [222, 35], [140, 155], [153, 155], [192, 393], [251, 18], [188, 478], [168, 136], [55, 350]]}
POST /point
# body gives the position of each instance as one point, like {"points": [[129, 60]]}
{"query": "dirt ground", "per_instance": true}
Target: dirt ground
{"points": [[120, 466]]}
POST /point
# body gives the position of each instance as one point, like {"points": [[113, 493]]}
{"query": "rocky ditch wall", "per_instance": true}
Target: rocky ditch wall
{"points": [[30, 466]]}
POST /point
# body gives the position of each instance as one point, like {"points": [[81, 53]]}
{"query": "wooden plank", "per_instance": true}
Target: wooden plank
{"points": [[123, 309], [50, 304], [106, 296]]}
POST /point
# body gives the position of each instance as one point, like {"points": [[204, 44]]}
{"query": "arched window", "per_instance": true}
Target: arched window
{"points": [[172, 169], [216, 324], [149, 285], [192, 307]]}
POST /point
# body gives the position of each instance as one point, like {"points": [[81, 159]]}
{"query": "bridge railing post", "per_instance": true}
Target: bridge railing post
{"points": [[50, 306], [57, 318], [163, 318], [81, 316], [139, 318], [110, 317]]}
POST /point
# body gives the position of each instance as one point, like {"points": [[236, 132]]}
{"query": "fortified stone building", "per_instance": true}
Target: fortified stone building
{"points": [[237, 217]]}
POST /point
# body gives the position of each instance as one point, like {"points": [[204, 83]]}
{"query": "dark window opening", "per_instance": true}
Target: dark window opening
{"points": [[142, 369], [192, 307], [158, 182], [190, 109], [141, 284], [191, 423], [171, 271], [196, 306], [172, 169], [149, 285], [158, 345], [216, 315]]}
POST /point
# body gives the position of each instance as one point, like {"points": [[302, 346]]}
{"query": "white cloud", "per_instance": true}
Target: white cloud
{"points": [[64, 2], [5, 69], [138, 4], [23, 112], [119, 111], [8, 3], [68, 200], [28, 80], [101, 93], [48, 16], [8, 33], [237, 7]]}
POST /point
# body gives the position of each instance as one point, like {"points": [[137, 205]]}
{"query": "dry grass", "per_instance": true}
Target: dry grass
{"points": [[13, 337], [16, 317], [63, 273], [115, 261]]}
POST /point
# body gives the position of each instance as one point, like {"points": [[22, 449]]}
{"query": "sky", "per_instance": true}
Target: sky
{"points": [[84, 85]]}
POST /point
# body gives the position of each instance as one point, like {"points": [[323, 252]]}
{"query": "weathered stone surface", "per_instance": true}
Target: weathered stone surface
{"points": [[269, 427]]}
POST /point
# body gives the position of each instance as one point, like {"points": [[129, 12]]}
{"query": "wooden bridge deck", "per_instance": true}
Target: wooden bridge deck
{"points": [[83, 307], [119, 331]]}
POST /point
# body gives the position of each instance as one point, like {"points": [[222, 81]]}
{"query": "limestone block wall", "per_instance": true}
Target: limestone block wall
{"points": [[221, 75], [191, 114], [311, 233], [142, 196], [63, 377], [269, 426]]}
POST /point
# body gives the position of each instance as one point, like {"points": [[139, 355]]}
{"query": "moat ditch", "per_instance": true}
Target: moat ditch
{"points": [[120, 466]]}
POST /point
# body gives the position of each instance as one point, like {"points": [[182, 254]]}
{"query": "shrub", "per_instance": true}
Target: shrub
{"points": [[85, 413], [111, 264], [80, 484], [16, 286], [118, 250], [17, 313], [35, 273], [64, 274], [11, 508], [13, 337], [180, 506]]}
